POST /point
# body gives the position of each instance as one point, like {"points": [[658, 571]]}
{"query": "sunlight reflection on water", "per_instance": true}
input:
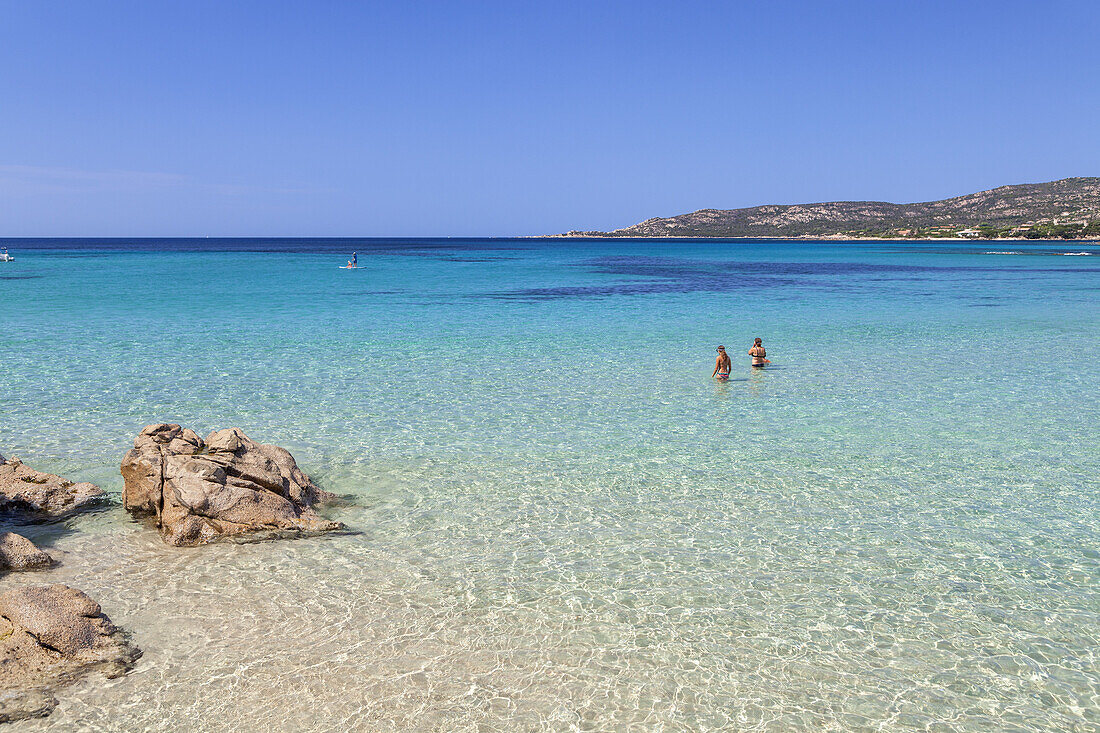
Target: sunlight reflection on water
{"points": [[562, 523]]}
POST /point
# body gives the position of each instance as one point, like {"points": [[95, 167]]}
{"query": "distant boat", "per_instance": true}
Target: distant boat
{"points": [[5, 257]]}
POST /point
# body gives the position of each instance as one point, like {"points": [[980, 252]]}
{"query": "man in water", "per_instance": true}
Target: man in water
{"points": [[722, 364], [355, 259], [757, 353]]}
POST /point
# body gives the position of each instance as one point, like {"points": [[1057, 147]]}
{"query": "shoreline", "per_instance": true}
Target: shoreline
{"points": [[823, 238], [30, 242]]}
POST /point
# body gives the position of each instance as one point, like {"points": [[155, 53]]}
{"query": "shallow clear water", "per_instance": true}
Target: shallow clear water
{"points": [[561, 522]]}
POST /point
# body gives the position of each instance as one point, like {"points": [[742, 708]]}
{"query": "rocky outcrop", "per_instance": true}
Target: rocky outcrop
{"points": [[49, 636], [227, 485], [1024, 205], [19, 553], [41, 495]]}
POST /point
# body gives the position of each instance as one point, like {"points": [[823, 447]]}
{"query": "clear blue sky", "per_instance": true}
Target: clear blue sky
{"points": [[498, 118]]}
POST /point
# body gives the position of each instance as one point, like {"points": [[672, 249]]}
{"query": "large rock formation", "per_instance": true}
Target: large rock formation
{"points": [[200, 491], [19, 553], [50, 635], [1008, 211], [42, 495]]}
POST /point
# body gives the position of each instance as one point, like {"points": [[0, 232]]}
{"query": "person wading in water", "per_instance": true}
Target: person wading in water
{"points": [[757, 353], [722, 364]]}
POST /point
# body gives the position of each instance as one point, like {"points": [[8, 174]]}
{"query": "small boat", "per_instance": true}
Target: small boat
{"points": [[5, 257]]}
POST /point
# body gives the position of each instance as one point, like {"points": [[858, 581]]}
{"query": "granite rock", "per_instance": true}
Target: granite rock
{"points": [[19, 553], [227, 485], [37, 495], [50, 636]]}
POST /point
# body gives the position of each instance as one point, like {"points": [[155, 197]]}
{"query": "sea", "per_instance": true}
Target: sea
{"points": [[557, 520]]}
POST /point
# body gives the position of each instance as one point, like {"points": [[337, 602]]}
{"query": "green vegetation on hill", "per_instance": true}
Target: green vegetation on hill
{"points": [[1065, 209]]}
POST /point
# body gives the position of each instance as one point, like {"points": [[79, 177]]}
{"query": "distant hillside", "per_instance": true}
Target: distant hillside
{"points": [[1069, 208]]}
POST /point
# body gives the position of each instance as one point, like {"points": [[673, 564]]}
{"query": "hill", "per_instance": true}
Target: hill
{"points": [[1068, 209]]}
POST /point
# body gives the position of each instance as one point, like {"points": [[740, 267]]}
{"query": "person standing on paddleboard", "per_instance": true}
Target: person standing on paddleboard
{"points": [[721, 364], [757, 353]]}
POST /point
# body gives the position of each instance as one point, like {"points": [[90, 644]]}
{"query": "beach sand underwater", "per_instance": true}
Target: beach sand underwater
{"points": [[557, 519]]}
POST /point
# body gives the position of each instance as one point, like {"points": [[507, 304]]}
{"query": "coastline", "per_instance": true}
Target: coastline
{"points": [[823, 238], [1064, 209]]}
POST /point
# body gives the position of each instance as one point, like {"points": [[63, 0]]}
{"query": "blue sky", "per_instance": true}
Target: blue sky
{"points": [[498, 118]]}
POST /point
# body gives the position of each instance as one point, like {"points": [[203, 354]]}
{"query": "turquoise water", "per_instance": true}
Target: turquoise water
{"points": [[561, 522]]}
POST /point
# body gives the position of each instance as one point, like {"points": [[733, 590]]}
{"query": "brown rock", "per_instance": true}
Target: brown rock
{"points": [[19, 553], [43, 495], [49, 636], [228, 485]]}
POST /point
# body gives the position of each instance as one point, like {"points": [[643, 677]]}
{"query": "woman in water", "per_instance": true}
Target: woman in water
{"points": [[722, 364], [757, 353]]}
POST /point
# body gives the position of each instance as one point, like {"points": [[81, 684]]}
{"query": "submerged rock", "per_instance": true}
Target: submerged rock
{"points": [[228, 485], [42, 495], [19, 553], [50, 636]]}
